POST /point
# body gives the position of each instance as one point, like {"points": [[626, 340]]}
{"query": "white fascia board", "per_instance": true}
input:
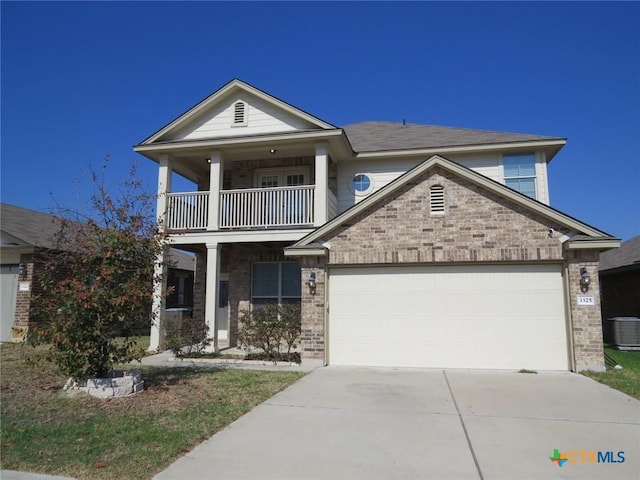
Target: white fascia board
{"points": [[288, 107], [236, 141], [234, 236], [604, 244], [305, 252], [462, 149]]}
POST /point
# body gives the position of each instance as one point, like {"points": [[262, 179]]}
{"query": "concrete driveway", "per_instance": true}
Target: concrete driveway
{"points": [[357, 423]]}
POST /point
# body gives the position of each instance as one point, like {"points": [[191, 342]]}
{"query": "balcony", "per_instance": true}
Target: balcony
{"points": [[279, 207]]}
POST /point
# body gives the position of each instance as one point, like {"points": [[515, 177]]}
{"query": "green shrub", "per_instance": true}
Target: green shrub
{"points": [[187, 337], [271, 328]]}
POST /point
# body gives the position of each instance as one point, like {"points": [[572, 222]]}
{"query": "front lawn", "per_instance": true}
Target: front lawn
{"points": [[626, 380], [46, 430]]}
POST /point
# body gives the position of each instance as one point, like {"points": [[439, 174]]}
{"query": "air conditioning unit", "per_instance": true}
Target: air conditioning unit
{"points": [[624, 332]]}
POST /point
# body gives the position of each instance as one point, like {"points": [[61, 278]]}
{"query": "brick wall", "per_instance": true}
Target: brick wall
{"points": [[241, 173], [25, 314], [313, 309], [199, 284], [477, 226], [586, 319], [235, 261], [23, 298]]}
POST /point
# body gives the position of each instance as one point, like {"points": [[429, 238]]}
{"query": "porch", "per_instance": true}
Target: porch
{"points": [[252, 208]]}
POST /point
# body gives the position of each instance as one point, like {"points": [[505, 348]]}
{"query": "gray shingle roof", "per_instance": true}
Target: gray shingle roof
{"points": [[381, 136], [32, 228], [627, 254], [181, 261]]}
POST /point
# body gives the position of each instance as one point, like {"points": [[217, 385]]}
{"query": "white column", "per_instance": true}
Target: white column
{"points": [[164, 187], [215, 185], [322, 185], [158, 306], [156, 333], [211, 294]]}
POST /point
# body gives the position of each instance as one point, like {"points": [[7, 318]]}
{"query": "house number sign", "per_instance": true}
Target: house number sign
{"points": [[586, 300]]}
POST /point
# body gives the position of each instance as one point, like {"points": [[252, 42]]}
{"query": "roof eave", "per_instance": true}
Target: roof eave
{"points": [[555, 144], [305, 252], [593, 244], [163, 147]]}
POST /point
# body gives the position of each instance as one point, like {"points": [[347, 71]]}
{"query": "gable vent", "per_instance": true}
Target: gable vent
{"points": [[239, 114], [436, 199]]}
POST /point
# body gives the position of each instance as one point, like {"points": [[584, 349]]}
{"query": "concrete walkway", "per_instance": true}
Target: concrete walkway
{"points": [[167, 359], [357, 423]]}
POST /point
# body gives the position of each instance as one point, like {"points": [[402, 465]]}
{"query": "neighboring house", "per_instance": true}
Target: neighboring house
{"points": [[25, 234], [620, 280], [405, 245], [180, 279]]}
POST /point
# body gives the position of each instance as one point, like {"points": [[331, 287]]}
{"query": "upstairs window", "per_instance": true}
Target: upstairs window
{"points": [[520, 173], [436, 199], [362, 184], [239, 114]]}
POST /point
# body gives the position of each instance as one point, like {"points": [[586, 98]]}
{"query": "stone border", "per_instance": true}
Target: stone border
{"points": [[120, 383]]}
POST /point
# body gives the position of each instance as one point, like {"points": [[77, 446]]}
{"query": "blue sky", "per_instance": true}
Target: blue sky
{"points": [[81, 80]]}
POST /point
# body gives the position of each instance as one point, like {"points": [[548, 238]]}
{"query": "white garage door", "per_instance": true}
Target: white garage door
{"points": [[490, 316]]}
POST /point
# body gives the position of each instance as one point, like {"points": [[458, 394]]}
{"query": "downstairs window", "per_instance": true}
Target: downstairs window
{"points": [[276, 282]]}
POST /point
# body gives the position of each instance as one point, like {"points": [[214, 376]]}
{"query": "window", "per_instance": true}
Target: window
{"points": [[361, 184], [520, 173], [239, 114], [436, 199], [276, 282]]}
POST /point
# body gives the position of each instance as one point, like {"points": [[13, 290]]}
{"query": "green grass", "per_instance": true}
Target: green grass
{"points": [[626, 380], [46, 430]]}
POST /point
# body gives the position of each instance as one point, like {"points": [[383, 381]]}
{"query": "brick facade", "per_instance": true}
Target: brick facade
{"points": [[313, 309], [236, 261], [25, 314], [586, 319], [477, 226]]}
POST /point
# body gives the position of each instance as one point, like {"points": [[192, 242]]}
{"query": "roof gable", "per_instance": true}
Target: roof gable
{"points": [[554, 216], [213, 117]]}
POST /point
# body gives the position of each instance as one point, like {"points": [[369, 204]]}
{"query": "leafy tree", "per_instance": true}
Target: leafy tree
{"points": [[98, 284]]}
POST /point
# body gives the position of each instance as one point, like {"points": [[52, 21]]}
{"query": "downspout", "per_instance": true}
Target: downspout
{"points": [[567, 307], [567, 302]]}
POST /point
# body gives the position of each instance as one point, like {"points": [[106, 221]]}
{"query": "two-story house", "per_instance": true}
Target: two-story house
{"points": [[405, 245]]}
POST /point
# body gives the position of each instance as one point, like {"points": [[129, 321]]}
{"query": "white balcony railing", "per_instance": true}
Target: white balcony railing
{"points": [[266, 207], [246, 208], [187, 211]]}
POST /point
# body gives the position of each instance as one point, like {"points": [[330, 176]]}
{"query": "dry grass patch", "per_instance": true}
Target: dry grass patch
{"points": [[47, 430]]}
